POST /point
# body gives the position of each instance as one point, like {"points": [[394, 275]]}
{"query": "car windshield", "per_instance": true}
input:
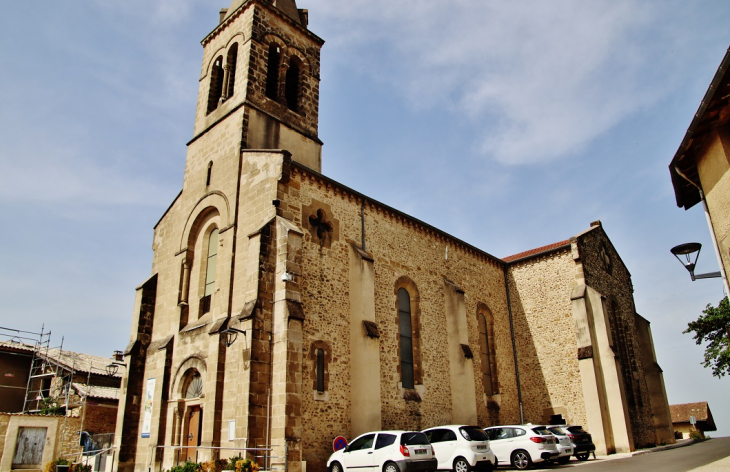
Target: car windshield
{"points": [[576, 429], [556, 430], [413, 439], [473, 433], [541, 430]]}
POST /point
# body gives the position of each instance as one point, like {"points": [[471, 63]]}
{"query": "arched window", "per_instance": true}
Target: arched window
{"points": [[406, 339], [292, 84], [320, 370], [487, 353], [210, 271], [272, 72], [216, 84], [193, 387], [231, 70]]}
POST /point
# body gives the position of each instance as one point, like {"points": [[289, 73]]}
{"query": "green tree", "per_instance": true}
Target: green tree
{"points": [[713, 327]]}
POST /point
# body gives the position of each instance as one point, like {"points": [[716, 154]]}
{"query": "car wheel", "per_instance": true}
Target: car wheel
{"points": [[336, 467], [461, 465], [583, 456], [390, 467], [521, 460], [563, 460]]}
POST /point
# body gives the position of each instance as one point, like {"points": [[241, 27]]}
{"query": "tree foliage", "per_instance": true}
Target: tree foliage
{"points": [[713, 327]]}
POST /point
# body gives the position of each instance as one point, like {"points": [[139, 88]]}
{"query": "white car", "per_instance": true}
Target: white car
{"points": [[565, 446], [385, 451], [461, 448], [522, 445]]}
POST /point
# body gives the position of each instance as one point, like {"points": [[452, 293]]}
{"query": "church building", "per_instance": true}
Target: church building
{"points": [[285, 309]]}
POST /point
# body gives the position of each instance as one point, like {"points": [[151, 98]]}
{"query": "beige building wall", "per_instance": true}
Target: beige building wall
{"points": [[713, 166]]}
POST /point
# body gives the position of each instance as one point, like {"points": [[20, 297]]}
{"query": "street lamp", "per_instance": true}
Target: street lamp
{"points": [[113, 368], [688, 250], [231, 334]]}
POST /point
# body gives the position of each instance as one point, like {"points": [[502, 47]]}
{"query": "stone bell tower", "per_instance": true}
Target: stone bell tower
{"points": [[259, 82]]}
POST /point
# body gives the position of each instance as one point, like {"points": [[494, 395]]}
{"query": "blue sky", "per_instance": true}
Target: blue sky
{"points": [[510, 125]]}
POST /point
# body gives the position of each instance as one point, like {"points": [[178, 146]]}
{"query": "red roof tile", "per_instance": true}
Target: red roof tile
{"points": [[536, 251]]}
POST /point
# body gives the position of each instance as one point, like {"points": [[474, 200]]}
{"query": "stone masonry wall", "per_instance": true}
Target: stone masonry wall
{"points": [[606, 272], [540, 290], [400, 247]]}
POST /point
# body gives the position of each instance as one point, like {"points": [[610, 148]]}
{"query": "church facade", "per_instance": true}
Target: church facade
{"points": [[285, 309]]}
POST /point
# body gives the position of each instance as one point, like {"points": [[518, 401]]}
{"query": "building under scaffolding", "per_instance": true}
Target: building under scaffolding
{"points": [[54, 397]]}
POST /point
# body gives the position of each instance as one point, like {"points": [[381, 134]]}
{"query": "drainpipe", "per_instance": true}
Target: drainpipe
{"points": [[711, 227], [362, 221], [514, 346]]}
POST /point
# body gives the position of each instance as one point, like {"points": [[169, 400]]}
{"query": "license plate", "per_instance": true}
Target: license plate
{"points": [[420, 451], [481, 447]]}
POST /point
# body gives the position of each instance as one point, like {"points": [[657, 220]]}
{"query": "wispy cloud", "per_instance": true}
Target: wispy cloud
{"points": [[544, 78]]}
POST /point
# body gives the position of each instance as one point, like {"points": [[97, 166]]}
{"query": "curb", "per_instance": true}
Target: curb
{"points": [[685, 442]]}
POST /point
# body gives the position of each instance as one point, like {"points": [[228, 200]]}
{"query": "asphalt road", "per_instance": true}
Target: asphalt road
{"points": [[682, 459]]}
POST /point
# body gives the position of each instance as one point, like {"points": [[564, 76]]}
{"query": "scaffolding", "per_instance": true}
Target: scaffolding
{"points": [[49, 380]]}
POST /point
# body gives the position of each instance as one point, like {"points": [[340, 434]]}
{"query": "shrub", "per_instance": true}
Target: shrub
{"points": [[189, 466], [215, 465], [51, 466], [696, 435], [81, 468], [241, 464]]}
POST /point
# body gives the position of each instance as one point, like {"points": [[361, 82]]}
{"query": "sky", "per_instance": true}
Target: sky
{"points": [[510, 125]]}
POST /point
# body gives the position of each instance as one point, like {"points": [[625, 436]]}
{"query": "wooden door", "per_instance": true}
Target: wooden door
{"points": [[29, 447], [195, 421]]}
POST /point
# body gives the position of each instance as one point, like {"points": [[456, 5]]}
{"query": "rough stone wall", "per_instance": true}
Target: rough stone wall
{"points": [[605, 271], [399, 247], [266, 23], [100, 418], [69, 436], [540, 290]]}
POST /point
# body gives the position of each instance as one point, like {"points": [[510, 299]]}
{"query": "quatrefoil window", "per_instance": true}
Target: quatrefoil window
{"points": [[322, 227]]}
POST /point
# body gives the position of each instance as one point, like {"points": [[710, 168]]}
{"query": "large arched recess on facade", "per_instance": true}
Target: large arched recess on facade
{"points": [[178, 380], [212, 201]]}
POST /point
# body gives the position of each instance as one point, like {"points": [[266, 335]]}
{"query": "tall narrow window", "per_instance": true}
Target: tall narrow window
{"points": [[272, 72], [210, 172], [406, 338], [210, 268], [216, 84], [292, 84], [320, 370], [210, 272], [231, 70], [485, 355]]}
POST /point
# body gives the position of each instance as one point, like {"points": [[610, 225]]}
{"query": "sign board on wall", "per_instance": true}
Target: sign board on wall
{"points": [[148, 399]]}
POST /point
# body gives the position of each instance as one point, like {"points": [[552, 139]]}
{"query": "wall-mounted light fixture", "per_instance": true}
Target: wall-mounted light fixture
{"points": [[113, 368], [231, 334], [691, 251], [286, 277]]}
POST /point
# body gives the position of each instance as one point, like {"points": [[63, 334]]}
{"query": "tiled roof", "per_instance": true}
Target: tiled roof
{"points": [[81, 362], [10, 344], [77, 361], [536, 251], [93, 391], [700, 410]]}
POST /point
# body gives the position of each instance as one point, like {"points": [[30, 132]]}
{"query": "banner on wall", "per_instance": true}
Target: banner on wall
{"points": [[147, 418]]}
